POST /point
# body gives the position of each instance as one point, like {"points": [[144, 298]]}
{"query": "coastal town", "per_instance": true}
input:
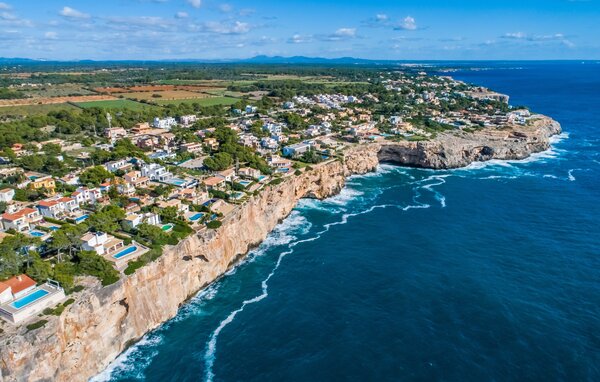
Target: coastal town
{"points": [[103, 191]]}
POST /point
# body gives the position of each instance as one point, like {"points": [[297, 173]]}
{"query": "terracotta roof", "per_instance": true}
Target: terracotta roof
{"points": [[19, 283], [18, 214], [48, 203], [213, 181]]}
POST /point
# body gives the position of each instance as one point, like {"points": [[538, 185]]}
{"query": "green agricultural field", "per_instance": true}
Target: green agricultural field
{"points": [[115, 104], [25, 110], [212, 101]]}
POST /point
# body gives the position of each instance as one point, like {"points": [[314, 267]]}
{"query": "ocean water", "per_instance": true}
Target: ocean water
{"points": [[488, 273]]}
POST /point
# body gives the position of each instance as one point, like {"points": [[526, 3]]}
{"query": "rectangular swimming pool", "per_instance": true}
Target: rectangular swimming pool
{"points": [[245, 183], [81, 218], [29, 299], [196, 216], [125, 252]]}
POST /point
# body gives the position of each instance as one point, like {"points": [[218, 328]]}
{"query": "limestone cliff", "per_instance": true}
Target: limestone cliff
{"points": [[104, 321], [459, 149]]}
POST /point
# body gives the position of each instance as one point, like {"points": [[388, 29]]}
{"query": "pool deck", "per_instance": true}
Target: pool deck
{"points": [[121, 263], [55, 295]]}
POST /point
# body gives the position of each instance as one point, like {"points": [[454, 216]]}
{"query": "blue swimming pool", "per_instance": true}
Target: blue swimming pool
{"points": [[176, 181], [81, 218], [245, 183], [29, 299], [260, 178], [36, 233], [54, 228], [196, 216], [283, 169], [125, 252]]}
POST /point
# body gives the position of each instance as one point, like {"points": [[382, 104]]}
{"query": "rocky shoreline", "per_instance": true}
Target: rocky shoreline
{"points": [[103, 322]]}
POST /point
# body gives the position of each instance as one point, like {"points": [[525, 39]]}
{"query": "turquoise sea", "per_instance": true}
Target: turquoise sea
{"points": [[488, 273]]}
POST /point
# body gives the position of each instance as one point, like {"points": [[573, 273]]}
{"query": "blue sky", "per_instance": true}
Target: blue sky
{"points": [[377, 29]]}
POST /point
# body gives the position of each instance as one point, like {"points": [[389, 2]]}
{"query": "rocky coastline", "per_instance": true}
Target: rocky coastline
{"points": [[104, 321]]}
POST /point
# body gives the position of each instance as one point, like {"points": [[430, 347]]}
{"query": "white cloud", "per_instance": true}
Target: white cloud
{"points": [[195, 3], [408, 24], [51, 35], [381, 17], [73, 13], [346, 32], [237, 27], [515, 35], [5, 6], [181, 15], [557, 37], [299, 39]]}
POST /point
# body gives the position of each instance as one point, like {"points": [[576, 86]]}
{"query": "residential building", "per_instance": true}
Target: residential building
{"points": [[228, 175], [192, 147], [85, 195], [136, 179], [187, 120], [164, 123], [21, 299], [249, 172], [7, 195], [141, 128], [38, 181], [57, 208], [156, 172], [22, 220], [297, 149], [115, 133], [214, 182], [121, 164]]}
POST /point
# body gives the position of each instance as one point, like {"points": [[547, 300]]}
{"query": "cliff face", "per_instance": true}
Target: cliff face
{"points": [[452, 150], [103, 321]]}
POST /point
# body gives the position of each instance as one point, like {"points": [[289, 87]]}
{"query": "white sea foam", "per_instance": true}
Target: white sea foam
{"points": [[211, 348], [571, 177], [436, 194], [130, 361]]}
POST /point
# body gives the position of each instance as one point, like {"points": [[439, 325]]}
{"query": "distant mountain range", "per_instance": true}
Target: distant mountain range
{"points": [[253, 60]]}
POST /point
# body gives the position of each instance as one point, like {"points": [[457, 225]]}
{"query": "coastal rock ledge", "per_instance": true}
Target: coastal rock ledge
{"points": [[104, 321]]}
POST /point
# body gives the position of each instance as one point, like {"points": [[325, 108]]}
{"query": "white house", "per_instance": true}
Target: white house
{"points": [[187, 120], [57, 207], [164, 123], [87, 195], [297, 149], [22, 220], [156, 172], [116, 165], [269, 143], [7, 195]]}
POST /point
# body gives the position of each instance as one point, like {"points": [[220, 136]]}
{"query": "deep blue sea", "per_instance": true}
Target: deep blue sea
{"points": [[488, 273]]}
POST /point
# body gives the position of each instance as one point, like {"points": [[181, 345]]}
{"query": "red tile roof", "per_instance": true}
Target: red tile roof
{"points": [[18, 214], [19, 283]]}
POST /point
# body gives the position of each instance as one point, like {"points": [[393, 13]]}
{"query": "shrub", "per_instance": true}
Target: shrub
{"points": [[297, 172], [36, 325], [275, 182], [214, 224], [133, 266], [94, 265]]}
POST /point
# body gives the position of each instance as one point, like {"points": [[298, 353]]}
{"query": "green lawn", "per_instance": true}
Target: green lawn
{"points": [[25, 110], [211, 101], [115, 104]]}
